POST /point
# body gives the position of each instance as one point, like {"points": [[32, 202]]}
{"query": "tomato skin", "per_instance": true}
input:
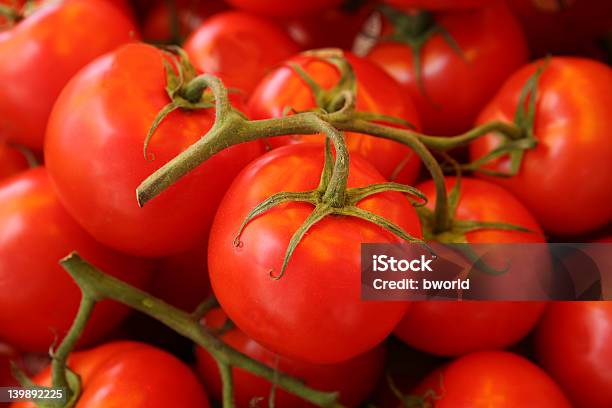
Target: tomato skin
{"points": [[353, 379], [12, 161], [283, 8], [572, 124], [114, 101], [574, 344], [376, 92], [317, 320], [437, 4], [458, 328], [456, 86], [130, 374], [492, 379], [48, 58], [157, 24], [38, 299], [239, 48]]}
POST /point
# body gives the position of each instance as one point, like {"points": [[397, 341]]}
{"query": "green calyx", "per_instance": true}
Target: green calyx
{"points": [[524, 119], [413, 401], [183, 88], [11, 14], [324, 206], [414, 30]]}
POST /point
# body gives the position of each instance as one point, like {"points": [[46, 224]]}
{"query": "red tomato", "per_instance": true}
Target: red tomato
{"points": [[48, 57], [491, 379], [12, 161], [239, 48], [574, 344], [284, 8], [455, 86], [353, 379], [565, 180], [562, 27], [38, 299], [457, 328], [157, 26], [376, 93], [130, 374], [336, 27], [314, 312], [437, 4], [182, 279], [114, 101]]}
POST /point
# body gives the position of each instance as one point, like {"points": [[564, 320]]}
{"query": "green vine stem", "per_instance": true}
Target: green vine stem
{"points": [[97, 286]]}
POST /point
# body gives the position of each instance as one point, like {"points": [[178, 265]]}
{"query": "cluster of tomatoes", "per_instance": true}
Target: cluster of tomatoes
{"points": [[84, 82]]}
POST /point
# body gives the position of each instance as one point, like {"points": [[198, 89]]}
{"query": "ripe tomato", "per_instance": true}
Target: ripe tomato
{"points": [[12, 161], [239, 48], [456, 85], [130, 374], [565, 180], [38, 299], [283, 8], [353, 379], [574, 344], [376, 93], [437, 4], [562, 27], [491, 379], [43, 58], [114, 101], [335, 27], [182, 280], [457, 328], [314, 312], [157, 26]]}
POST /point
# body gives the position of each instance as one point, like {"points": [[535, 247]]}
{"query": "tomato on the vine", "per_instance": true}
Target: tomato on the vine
{"points": [[38, 299], [239, 48], [455, 79], [313, 312], [114, 101], [565, 179], [284, 8], [130, 374], [574, 344], [43, 52], [376, 93], [457, 328], [12, 161], [490, 379], [353, 379]]}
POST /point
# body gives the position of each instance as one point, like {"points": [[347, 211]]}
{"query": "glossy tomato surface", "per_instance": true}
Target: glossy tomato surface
{"points": [[38, 299], [457, 328], [130, 374], [353, 379], [114, 102], [565, 180], [491, 379], [574, 344], [376, 92], [456, 85], [239, 48], [313, 312], [12, 161], [43, 52], [284, 8]]}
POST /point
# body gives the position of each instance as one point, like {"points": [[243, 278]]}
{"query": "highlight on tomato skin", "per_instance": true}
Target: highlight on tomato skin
{"points": [[32, 282], [353, 379], [124, 373]]}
